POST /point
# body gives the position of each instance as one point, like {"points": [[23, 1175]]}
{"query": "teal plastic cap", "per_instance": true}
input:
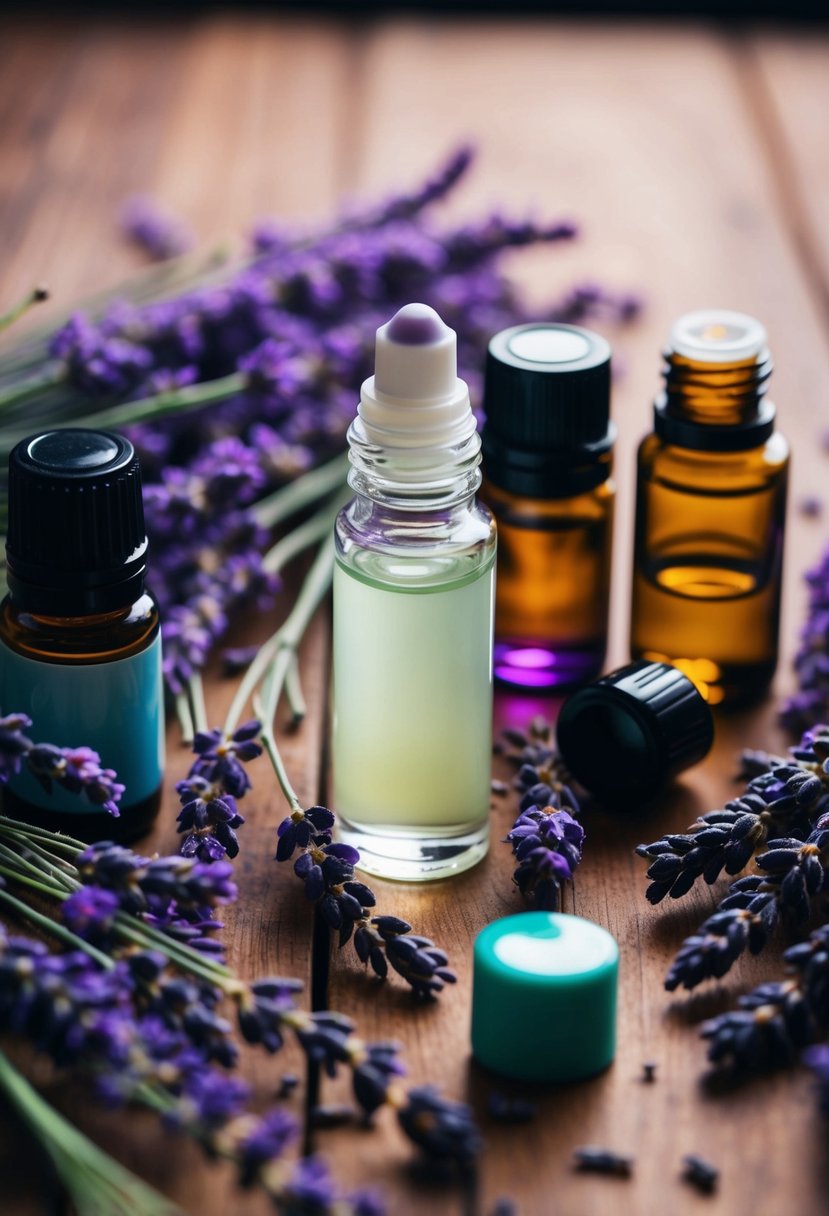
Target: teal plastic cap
{"points": [[544, 997]]}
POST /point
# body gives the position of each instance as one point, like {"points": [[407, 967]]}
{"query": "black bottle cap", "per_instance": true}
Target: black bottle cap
{"points": [[625, 735], [76, 540], [547, 406]]}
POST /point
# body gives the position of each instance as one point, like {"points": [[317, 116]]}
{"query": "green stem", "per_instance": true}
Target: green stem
{"points": [[39, 863], [289, 634], [180, 955], [129, 927], [55, 929], [185, 717], [149, 283], [313, 590], [36, 296], [26, 389], [17, 859], [194, 396], [97, 1183], [275, 756], [198, 703], [24, 880], [250, 679], [300, 538], [62, 868], [57, 839], [294, 694], [301, 492]]}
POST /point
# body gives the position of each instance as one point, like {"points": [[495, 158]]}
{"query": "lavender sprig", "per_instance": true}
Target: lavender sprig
{"points": [[546, 838], [778, 1019], [237, 382], [547, 844], [345, 904], [145, 1024], [94, 1180], [209, 817], [788, 796], [77, 770], [811, 701]]}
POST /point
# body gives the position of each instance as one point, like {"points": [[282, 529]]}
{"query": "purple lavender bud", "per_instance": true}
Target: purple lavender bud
{"points": [[265, 1142], [90, 912], [159, 234], [442, 1129], [13, 744]]}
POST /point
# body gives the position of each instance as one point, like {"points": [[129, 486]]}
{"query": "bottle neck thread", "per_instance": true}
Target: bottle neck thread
{"points": [[410, 478], [716, 406]]}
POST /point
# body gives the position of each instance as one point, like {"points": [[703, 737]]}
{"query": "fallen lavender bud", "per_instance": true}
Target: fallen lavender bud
{"points": [[700, 1173], [158, 233], [547, 844], [510, 1110], [334, 1114], [209, 816], [287, 1084], [602, 1161], [442, 1129]]}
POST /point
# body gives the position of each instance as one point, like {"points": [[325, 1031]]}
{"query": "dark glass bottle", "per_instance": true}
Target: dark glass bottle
{"points": [[547, 445], [710, 512], [80, 648]]}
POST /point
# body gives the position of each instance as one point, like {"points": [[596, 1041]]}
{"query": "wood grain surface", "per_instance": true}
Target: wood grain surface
{"points": [[695, 161]]}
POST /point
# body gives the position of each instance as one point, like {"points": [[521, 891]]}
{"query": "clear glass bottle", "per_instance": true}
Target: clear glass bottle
{"points": [[710, 512], [548, 452], [80, 645], [413, 615]]}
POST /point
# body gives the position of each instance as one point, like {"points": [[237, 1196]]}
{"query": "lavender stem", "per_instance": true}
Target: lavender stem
{"points": [[56, 930]]}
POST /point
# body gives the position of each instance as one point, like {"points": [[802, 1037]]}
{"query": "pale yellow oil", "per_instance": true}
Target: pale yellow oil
{"points": [[412, 729]]}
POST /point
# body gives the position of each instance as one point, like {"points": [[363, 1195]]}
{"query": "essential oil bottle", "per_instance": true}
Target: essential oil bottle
{"points": [[547, 452], [80, 649], [710, 511], [413, 605]]}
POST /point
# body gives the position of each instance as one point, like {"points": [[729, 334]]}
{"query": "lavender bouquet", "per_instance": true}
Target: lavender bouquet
{"points": [[236, 380]]}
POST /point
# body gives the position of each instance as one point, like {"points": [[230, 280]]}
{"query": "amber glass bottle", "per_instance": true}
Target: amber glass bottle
{"points": [[547, 446], [710, 512], [79, 635]]}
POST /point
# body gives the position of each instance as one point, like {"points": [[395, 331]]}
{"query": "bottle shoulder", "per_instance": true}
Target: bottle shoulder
{"points": [[101, 638], [372, 526], [400, 549], [593, 504], [661, 461]]}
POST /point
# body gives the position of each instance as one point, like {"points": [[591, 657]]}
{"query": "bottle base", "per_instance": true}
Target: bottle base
{"points": [[410, 856], [543, 666], [89, 826]]}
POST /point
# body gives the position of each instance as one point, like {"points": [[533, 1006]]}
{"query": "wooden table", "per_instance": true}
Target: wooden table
{"points": [[696, 160]]}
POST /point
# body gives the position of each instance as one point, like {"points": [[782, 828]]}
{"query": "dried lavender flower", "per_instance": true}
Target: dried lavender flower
{"points": [[700, 1173], [547, 844], [327, 873], [442, 1129], [154, 230], [263, 356], [590, 1159], [780, 821], [77, 770]]}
